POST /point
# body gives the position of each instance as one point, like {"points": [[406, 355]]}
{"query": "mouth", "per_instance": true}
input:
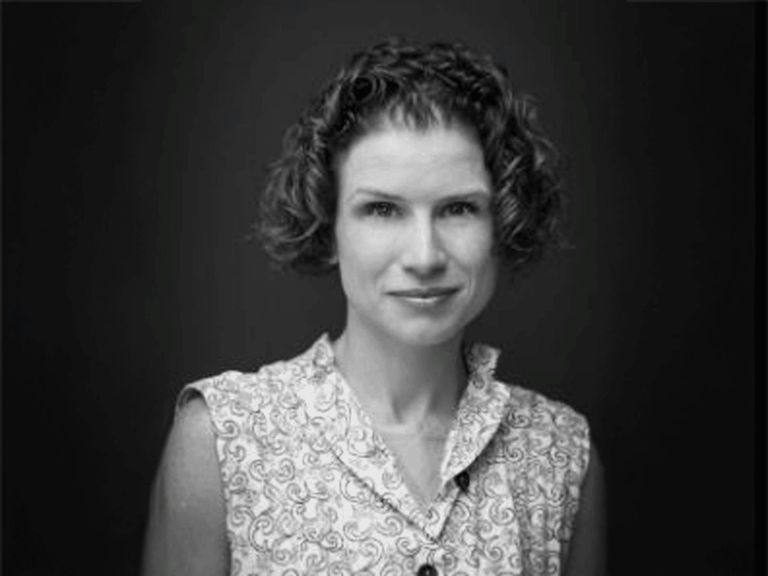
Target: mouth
{"points": [[425, 296]]}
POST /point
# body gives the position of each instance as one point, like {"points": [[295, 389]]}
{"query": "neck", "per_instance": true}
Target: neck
{"points": [[401, 384]]}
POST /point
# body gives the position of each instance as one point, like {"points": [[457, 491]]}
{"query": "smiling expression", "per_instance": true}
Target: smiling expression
{"points": [[414, 232]]}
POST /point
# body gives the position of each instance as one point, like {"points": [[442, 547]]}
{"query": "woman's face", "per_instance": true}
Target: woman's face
{"points": [[414, 232]]}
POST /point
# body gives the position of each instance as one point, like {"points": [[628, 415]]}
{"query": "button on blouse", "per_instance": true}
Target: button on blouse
{"points": [[426, 570], [462, 480]]}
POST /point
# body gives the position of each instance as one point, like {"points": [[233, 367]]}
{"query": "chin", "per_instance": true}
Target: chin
{"points": [[430, 331], [421, 334]]}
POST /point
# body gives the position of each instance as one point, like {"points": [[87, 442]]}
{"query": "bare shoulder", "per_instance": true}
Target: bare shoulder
{"points": [[587, 549], [190, 462], [187, 524]]}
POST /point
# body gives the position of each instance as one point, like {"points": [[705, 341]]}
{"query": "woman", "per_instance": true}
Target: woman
{"points": [[417, 173]]}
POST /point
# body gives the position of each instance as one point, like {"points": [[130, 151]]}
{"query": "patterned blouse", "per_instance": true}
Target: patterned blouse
{"points": [[311, 488]]}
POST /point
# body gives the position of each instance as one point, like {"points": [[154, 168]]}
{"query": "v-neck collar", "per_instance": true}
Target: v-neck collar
{"points": [[334, 411]]}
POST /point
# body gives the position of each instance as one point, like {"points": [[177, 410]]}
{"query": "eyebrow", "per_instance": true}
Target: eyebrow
{"points": [[474, 193]]}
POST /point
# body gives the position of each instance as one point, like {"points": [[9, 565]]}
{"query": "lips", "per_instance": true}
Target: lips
{"points": [[425, 293]]}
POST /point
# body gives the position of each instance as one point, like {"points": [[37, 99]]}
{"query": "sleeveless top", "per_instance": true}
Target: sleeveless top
{"points": [[311, 488]]}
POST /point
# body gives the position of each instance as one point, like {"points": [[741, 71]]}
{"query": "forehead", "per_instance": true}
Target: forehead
{"points": [[397, 158]]}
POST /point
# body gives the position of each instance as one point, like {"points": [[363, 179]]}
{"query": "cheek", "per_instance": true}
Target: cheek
{"points": [[476, 256], [474, 250], [485, 275], [361, 252]]}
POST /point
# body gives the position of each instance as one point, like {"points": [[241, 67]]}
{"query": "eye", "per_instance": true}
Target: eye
{"points": [[461, 208], [380, 209]]}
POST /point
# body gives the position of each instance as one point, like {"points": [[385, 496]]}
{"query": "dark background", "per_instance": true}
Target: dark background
{"points": [[135, 138]]}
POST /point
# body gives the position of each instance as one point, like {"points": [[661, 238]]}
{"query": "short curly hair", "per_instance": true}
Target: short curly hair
{"points": [[421, 85]]}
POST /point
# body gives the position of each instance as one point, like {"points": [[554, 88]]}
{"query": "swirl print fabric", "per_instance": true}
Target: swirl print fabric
{"points": [[311, 488]]}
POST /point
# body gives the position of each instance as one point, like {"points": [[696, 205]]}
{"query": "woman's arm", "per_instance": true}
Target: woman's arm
{"points": [[587, 550], [187, 524]]}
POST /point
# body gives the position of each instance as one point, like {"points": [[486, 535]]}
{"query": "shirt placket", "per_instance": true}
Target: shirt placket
{"points": [[351, 436]]}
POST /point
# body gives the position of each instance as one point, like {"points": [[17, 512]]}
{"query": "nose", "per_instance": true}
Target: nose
{"points": [[424, 254]]}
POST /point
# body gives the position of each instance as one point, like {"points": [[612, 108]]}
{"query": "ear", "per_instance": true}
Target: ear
{"points": [[333, 256]]}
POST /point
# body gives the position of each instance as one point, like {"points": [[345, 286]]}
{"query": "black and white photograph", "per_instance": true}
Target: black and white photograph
{"points": [[438, 287]]}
